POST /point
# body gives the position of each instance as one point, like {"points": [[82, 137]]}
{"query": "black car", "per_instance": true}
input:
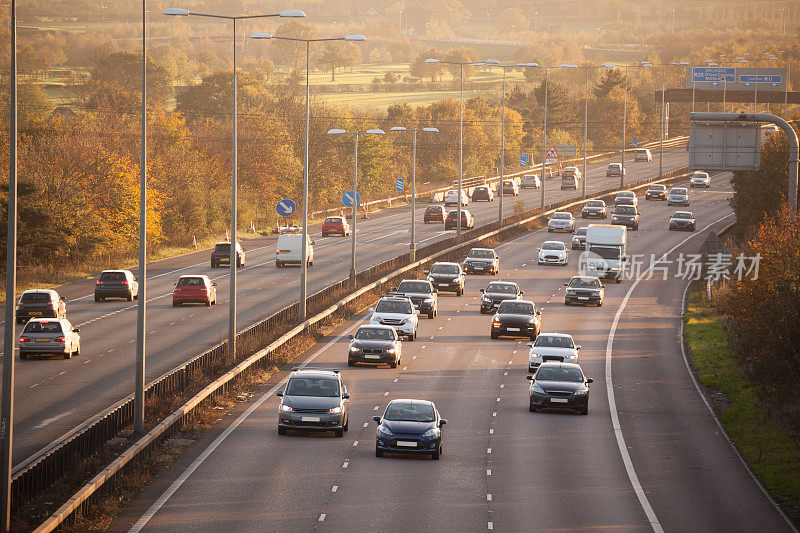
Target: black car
{"points": [[586, 290], [40, 303], [483, 193], [482, 261], [579, 239], [626, 215], [409, 426], [516, 318], [221, 255], [314, 400], [657, 191], [422, 295], [434, 213], [116, 284], [447, 277], [375, 345], [682, 220], [594, 209], [559, 386], [497, 292]]}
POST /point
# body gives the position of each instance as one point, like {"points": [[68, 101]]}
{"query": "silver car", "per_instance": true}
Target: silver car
{"points": [[561, 221], [678, 196], [700, 179], [315, 400], [49, 336]]}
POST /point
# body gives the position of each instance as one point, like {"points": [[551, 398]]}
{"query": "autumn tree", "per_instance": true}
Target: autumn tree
{"points": [[420, 69], [122, 72], [213, 97]]}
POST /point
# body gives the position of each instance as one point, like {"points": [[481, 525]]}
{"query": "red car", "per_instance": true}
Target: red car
{"points": [[434, 213], [194, 289], [335, 226]]}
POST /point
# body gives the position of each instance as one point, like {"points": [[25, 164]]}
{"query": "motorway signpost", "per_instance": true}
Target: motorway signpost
{"points": [[552, 156], [524, 161], [398, 185], [349, 198], [635, 142], [285, 208], [737, 79]]}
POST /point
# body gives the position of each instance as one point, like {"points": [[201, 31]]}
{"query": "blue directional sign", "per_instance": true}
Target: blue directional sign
{"points": [[348, 196], [523, 160], [286, 207], [635, 142], [749, 79], [714, 74], [398, 185]]}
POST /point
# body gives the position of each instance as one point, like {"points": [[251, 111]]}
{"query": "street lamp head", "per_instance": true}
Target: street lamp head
{"points": [[261, 36], [742, 61], [608, 65], [527, 64], [376, 131], [354, 38], [176, 11], [292, 13], [564, 65], [712, 64], [681, 63], [336, 132], [431, 130], [476, 63], [397, 128], [431, 60], [708, 61], [492, 62]]}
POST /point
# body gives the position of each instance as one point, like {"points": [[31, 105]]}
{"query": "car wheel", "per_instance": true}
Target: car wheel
{"points": [[23, 355], [585, 411], [278, 264], [600, 303], [136, 296], [338, 433], [77, 350], [495, 335], [96, 299], [435, 455], [350, 363], [176, 304], [208, 303], [532, 408], [393, 364], [346, 423], [68, 355], [282, 430], [378, 452], [431, 313]]}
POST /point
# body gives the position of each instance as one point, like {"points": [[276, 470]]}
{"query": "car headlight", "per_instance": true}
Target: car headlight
{"points": [[385, 431], [571, 292], [533, 355], [583, 392], [353, 349], [456, 280], [433, 432], [485, 299], [391, 350], [532, 320], [535, 387], [335, 410], [429, 300], [572, 356], [430, 278], [287, 408]]}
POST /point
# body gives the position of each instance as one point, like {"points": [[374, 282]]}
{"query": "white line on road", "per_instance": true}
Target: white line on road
{"points": [[366, 424], [488, 497], [488, 450], [322, 517], [488, 472], [346, 463], [355, 443], [334, 488]]}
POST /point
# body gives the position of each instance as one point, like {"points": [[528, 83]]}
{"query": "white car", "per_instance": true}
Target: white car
{"points": [[530, 181], [559, 347], [451, 197], [700, 179], [553, 253], [561, 221], [643, 154], [398, 312]]}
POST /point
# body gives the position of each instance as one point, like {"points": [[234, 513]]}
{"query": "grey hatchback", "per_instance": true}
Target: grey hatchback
{"points": [[116, 284], [314, 399], [48, 336]]}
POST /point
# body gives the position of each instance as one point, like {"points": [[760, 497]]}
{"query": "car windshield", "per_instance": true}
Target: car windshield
{"points": [[581, 232], [584, 283], [43, 327], [680, 214], [393, 306], [508, 183], [112, 276], [414, 286], [595, 203], [614, 166], [678, 191], [481, 254], [559, 374], [191, 282], [553, 341], [444, 269], [641, 152], [554, 245], [561, 216], [501, 288], [36, 297], [302, 386], [625, 210], [605, 252], [410, 412], [222, 248], [482, 189], [570, 170], [516, 308], [375, 334]]}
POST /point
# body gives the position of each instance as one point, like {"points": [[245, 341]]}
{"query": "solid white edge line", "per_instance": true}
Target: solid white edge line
{"points": [[716, 419], [612, 403], [148, 515]]}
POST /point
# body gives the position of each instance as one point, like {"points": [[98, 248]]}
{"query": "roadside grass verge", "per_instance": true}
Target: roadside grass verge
{"points": [[771, 452]]}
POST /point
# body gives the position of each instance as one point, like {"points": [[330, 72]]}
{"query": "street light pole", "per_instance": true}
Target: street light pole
{"points": [[230, 355], [355, 194], [502, 150], [585, 133], [7, 415], [141, 306], [624, 126], [544, 138]]}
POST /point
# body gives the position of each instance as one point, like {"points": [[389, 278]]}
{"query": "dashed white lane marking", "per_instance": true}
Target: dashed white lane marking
{"points": [[509, 362], [86, 361], [322, 517], [355, 443], [386, 394], [494, 414], [130, 341], [366, 424], [441, 327], [34, 385], [346, 463], [334, 488], [155, 330], [432, 337], [171, 323], [488, 497], [505, 373], [413, 357], [450, 318], [502, 386], [395, 380], [111, 350], [515, 351], [488, 450], [498, 399], [491, 432], [490, 525], [405, 367], [376, 407], [423, 346]]}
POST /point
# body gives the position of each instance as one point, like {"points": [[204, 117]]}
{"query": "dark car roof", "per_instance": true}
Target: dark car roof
{"points": [[557, 364]]}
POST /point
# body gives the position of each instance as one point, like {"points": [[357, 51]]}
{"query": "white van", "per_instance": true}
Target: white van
{"points": [[288, 251]]}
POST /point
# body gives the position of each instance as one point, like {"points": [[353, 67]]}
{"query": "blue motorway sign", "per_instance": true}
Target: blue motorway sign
{"points": [[635, 142], [749, 79], [347, 198], [286, 207], [523, 160], [398, 185], [714, 74]]}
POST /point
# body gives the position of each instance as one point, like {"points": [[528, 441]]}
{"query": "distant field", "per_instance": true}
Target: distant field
{"points": [[384, 100], [364, 74]]}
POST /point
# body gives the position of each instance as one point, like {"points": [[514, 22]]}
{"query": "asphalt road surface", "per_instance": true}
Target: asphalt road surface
{"points": [[648, 457], [54, 395]]}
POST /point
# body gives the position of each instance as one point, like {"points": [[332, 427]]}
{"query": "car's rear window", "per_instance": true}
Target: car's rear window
{"points": [[414, 286], [641, 152], [581, 232], [43, 327], [112, 276], [434, 209], [302, 386], [501, 288], [36, 297], [192, 282], [222, 248], [519, 308], [678, 191], [333, 220]]}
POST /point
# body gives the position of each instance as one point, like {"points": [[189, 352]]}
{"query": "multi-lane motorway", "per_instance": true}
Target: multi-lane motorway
{"points": [[55, 395], [648, 457]]}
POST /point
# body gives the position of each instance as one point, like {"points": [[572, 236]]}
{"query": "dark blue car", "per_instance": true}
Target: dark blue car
{"points": [[409, 426]]}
